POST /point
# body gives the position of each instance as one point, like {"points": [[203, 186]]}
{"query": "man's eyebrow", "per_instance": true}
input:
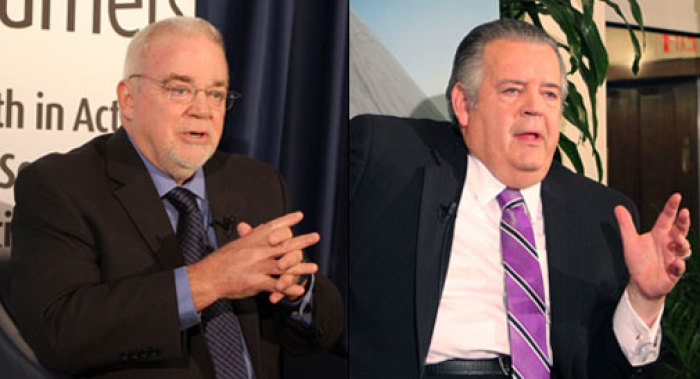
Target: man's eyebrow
{"points": [[510, 81], [188, 79], [552, 85], [523, 83], [182, 78]]}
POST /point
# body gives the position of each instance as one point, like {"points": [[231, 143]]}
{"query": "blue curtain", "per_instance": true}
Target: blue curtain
{"points": [[289, 59]]}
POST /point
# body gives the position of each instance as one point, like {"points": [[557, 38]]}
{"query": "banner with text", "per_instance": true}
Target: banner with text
{"points": [[59, 71]]}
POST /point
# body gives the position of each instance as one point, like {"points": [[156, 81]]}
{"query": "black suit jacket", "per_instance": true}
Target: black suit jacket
{"points": [[93, 254], [406, 179]]}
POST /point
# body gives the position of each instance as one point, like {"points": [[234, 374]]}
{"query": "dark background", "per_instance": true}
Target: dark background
{"points": [[289, 59]]}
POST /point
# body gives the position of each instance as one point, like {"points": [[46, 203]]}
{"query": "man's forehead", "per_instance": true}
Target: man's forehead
{"points": [[502, 57], [173, 76], [509, 45]]}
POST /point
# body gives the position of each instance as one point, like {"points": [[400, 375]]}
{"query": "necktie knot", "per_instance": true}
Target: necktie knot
{"points": [[183, 199], [509, 197]]}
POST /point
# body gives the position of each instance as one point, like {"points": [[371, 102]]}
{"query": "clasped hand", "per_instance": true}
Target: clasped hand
{"points": [[265, 258], [656, 259]]}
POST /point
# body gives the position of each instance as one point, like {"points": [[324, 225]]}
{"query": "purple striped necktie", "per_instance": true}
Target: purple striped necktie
{"points": [[527, 322], [221, 327]]}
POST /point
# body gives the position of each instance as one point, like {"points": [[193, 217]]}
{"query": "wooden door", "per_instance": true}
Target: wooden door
{"points": [[652, 143]]}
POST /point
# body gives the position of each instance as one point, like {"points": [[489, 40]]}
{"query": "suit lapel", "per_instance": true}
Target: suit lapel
{"points": [[226, 205], [560, 228], [442, 187], [138, 195], [228, 208]]}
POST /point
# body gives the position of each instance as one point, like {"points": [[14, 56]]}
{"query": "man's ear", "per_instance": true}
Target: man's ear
{"points": [[125, 96], [460, 105]]}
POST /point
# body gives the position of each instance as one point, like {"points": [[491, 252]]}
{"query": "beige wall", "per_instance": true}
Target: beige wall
{"points": [[569, 130], [679, 15]]}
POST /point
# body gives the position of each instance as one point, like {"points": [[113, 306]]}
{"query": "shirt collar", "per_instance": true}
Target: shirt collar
{"points": [[486, 187], [164, 182]]}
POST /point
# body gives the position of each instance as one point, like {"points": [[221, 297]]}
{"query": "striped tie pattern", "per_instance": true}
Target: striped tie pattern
{"points": [[221, 327], [525, 290]]}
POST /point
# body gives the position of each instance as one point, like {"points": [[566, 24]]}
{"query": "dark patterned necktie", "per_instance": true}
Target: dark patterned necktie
{"points": [[221, 328], [527, 322]]}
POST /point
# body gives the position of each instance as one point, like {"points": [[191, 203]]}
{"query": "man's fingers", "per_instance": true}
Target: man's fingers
{"points": [[243, 228], [677, 269], [297, 243], [273, 232], [285, 281], [290, 259], [295, 291], [288, 220], [668, 215], [680, 248], [266, 284], [279, 235], [270, 267], [627, 229], [303, 269], [683, 221], [292, 291], [275, 297]]}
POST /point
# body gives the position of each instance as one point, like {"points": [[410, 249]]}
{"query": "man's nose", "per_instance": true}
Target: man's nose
{"points": [[533, 103], [199, 105]]}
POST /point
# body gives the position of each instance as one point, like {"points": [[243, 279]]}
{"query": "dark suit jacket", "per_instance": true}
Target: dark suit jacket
{"points": [[93, 254], [406, 178]]}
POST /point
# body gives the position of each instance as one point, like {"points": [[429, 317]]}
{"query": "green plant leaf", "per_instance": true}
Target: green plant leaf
{"points": [[575, 112], [637, 14], [563, 15], [569, 148], [593, 48], [598, 164]]}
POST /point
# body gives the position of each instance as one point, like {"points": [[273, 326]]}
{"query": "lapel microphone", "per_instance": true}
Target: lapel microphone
{"points": [[227, 223], [447, 211]]}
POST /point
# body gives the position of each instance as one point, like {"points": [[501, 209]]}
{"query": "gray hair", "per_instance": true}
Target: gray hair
{"points": [[138, 47], [468, 66]]}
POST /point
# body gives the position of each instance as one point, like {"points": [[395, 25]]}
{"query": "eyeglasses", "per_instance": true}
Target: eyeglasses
{"points": [[181, 92]]}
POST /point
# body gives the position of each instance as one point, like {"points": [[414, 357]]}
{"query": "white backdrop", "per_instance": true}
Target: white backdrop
{"points": [[59, 67]]}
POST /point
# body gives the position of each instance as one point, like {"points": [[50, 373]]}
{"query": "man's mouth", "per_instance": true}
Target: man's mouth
{"points": [[529, 136], [194, 133]]}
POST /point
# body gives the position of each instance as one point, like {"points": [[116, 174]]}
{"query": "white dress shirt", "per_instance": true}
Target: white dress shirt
{"points": [[471, 321]]}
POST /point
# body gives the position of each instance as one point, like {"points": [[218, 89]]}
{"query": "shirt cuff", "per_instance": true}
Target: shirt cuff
{"points": [[639, 343], [301, 308], [185, 305]]}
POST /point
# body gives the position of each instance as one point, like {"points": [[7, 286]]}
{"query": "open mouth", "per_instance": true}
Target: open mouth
{"points": [[194, 134], [529, 136]]}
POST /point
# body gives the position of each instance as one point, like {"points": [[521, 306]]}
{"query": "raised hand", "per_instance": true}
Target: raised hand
{"points": [[656, 259]]}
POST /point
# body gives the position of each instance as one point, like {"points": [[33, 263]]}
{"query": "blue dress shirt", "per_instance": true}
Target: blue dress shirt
{"points": [[185, 304]]}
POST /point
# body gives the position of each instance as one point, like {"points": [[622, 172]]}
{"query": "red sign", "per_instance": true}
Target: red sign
{"points": [[674, 43]]}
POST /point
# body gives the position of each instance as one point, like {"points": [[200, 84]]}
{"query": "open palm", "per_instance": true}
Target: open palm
{"points": [[656, 259]]}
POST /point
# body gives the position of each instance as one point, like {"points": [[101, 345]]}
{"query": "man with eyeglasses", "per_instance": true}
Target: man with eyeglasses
{"points": [[146, 253]]}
